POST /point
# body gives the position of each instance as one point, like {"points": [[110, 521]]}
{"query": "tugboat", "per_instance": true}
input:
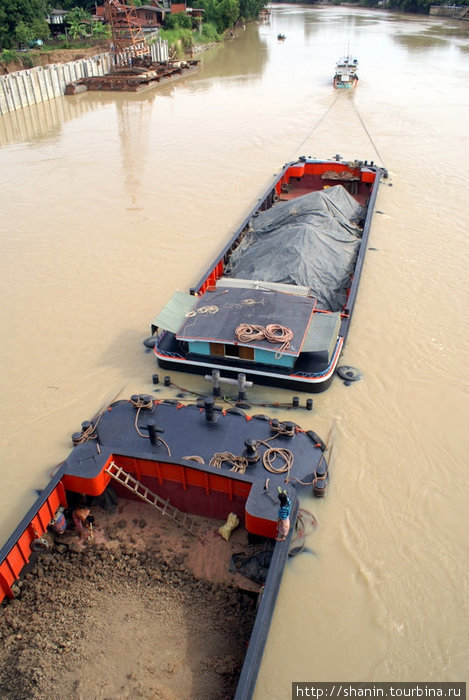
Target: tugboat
{"points": [[346, 73], [277, 302]]}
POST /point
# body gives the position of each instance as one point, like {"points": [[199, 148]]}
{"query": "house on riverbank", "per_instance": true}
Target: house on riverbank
{"points": [[453, 11]]}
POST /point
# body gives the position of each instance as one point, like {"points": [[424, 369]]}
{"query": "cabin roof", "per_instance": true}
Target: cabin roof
{"points": [[216, 315]]}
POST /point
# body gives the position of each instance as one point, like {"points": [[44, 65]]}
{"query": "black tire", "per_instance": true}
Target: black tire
{"points": [[150, 342]]}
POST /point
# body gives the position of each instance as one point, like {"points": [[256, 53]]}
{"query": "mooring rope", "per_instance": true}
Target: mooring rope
{"points": [[316, 125], [145, 402], [308, 136], [87, 434]]}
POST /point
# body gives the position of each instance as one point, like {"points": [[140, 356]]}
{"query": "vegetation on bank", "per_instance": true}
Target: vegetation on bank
{"points": [[416, 6], [23, 23], [24, 30]]}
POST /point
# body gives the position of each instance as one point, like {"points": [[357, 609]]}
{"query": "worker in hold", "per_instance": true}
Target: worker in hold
{"points": [[83, 521], [283, 515]]}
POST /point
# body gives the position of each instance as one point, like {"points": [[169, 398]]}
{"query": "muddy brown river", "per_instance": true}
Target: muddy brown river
{"points": [[111, 202]]}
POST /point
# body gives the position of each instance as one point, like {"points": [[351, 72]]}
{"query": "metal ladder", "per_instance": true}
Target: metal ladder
{"points": [[164, 507]]}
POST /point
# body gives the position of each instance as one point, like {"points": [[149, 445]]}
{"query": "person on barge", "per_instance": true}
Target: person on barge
{"points": [[283, 516], [83, 521]]}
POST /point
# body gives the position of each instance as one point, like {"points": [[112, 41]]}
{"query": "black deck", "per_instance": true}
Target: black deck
{"points": [[218, 313], [186, 431]]}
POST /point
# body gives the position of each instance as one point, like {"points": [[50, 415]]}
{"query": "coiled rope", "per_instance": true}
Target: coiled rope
{"points": [[239, 464], [274, 453], [273, 332]]}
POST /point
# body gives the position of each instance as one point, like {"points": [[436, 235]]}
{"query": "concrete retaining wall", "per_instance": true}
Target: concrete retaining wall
{"points": [[28, 87]]}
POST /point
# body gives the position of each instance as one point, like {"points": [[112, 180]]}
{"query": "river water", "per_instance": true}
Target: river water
{"points": [[111, 202]]}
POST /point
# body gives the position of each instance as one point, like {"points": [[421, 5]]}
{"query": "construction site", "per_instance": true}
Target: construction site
{"points": [[134, 65]]}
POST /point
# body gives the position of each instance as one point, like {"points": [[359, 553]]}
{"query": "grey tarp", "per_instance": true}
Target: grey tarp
{"points": [[310, 241]]}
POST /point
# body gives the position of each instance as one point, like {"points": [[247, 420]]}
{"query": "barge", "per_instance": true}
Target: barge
{"points": [[185, 461], [140, 76], [276, 304]]}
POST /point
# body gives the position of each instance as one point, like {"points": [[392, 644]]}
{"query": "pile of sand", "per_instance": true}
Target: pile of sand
{"points": [[140, 610]]}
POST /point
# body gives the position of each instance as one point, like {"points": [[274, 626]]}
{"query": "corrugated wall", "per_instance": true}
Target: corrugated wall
{"points": [[28, 87]]}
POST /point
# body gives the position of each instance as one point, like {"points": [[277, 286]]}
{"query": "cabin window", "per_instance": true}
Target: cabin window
{"points": [[239, 351], [217, 349], [221, 350]]}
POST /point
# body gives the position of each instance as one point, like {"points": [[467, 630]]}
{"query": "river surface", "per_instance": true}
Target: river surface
{"points": [[111, 202]]}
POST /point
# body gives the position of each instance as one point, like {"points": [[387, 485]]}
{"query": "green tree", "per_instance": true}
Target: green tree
{"points": [[23, 34], [99, 30], [227, 13], [221, 13], [87, 5], [249, 9], [12, 12], [79, 22], [178, 21], [40, 29]]}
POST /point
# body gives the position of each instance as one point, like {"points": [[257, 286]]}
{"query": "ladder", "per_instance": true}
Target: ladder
{"points": [[164, 507]]}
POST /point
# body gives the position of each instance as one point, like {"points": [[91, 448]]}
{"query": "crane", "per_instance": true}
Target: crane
{"points": [[127, 34]]}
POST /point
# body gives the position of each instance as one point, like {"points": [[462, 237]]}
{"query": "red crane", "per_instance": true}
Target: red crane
{"points": [[127, 34]]}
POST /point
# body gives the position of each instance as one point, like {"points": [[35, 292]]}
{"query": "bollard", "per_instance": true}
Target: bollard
{"points": [[251, 452], [209, 406], [153, 432]]}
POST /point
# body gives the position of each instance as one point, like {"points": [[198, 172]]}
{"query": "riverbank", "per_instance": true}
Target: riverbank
{"points": [[141, 609], [32, 59]]}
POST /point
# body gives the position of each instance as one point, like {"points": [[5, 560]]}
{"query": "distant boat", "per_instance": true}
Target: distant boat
{"points": [[281, 37], [346, 72]]}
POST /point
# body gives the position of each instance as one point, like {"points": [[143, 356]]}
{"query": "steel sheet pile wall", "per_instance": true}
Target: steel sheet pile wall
{"points": [[28, 87]]}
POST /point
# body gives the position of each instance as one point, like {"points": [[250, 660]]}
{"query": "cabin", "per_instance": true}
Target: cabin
{"points": [[207, 326]]}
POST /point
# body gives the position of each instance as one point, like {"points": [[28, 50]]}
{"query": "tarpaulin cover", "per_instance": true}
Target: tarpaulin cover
{"points": [[311, 241]]}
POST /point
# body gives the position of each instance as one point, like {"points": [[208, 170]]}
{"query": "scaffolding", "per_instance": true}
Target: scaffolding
{"points": [[128, 40]]}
